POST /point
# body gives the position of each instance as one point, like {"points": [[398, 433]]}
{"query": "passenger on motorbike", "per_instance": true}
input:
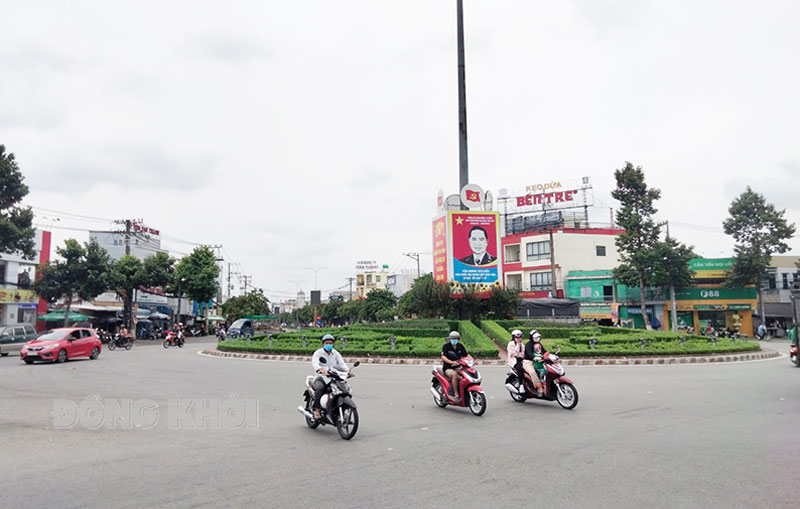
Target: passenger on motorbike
{"points": [[452, 353], [333, 360], [123, 332], [532, 364], [516, 353]]}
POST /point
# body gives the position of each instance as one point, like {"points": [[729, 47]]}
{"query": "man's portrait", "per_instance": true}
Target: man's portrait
{"points": [[478, 242]]}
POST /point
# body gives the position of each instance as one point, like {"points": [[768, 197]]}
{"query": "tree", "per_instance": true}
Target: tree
{"points": [[426, 298], [673, 270], [760, 231], [16, 232], [503, 302], [124, 277], [252, 303], [637, 246], [197, 275], [377, 300], [331, 312], [84, 271]]}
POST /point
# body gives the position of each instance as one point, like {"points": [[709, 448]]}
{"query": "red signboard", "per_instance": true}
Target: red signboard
{"points": [[440, 249]]}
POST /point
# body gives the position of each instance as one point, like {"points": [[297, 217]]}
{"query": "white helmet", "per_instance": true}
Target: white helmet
{"points": [[535, 336], [516, 333], [454, 335]]}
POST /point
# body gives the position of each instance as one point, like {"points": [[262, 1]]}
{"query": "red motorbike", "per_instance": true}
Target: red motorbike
{"points": [[469, 390], [556, 386], [173, 339], [793, 356]]}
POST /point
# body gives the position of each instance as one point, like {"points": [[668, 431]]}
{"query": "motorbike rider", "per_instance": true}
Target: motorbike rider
{"points": [[452, 352], [516, 353], [333, 360], [532, 363], [123, 333]]}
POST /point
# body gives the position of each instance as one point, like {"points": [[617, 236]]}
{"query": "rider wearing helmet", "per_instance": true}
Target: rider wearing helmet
{"points": [[333, 360], [516, 352], [532, 364], [452, 352]]}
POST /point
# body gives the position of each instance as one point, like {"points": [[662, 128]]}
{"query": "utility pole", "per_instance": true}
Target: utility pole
{"points": [[553, 265], [350, 280], [229, 281], [127, 314], [414, 256], [462, 103], [247, 279]]}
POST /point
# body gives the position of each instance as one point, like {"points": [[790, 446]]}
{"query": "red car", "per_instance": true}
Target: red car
{"points": [[59, 345]]}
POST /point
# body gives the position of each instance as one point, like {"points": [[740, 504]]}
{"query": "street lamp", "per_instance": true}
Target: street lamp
{"points": [[315, 274], [296, 314]]}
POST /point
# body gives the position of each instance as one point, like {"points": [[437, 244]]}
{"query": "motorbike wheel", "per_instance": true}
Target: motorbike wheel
{"points": [[519, 398], [442, 401], [112, 345], [797, 360], [567, 396], [165, 344], [348, 425], [311, 423], [477, 403], [180, 344], [129, 344]]}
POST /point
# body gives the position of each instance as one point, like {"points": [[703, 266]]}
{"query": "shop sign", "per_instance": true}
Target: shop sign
{"points": [[709, 307], [715, 293], [716, 264], [745, 307], [367, 265], [16, 296]]}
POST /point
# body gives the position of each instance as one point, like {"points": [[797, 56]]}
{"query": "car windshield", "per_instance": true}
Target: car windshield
{"points": [[52, 335], [238, 324]]}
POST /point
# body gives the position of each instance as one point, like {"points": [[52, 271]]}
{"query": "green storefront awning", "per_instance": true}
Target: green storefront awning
{"points": [[58, 316], [596, 311]]}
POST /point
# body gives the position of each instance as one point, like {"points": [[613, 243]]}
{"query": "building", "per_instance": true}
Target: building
{"points": [[371, 280], [399, 284], [18, 302], [776, 291], [527, 257], [705, 304], [142, 243]]}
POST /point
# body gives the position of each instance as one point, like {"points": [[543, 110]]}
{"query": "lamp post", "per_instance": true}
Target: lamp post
{"points": [[315, 269], [296, 314]]}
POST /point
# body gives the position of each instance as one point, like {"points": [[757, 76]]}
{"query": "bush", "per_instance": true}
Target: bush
{"points": [[628, 349], [494, 330]]}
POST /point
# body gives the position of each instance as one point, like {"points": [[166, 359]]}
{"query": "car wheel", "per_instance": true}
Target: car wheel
{"points": [[62, 356], [95, 353], [4, 354]]}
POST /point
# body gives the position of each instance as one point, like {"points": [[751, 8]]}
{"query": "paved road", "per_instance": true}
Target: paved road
{"points": [[723, 435]]}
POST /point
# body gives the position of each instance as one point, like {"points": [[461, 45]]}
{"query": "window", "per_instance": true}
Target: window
{"points": [[369, 279], [785, 281], [512, 254], [600, 250], [771, 280], [377, 279], [608, 293], [538, 250], [86, 333], [541, 281], [586, 291]]}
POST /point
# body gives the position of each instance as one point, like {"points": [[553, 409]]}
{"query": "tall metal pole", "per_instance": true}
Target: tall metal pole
{"points": [[462, 104]]}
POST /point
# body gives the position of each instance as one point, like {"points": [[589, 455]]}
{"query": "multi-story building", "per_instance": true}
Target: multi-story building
{"points": [[537, 262], [399, 284], [372, 280], [777, 293], [18, 302]]}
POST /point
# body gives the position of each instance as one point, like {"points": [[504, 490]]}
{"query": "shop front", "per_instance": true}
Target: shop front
{"points": [[719, 309]]}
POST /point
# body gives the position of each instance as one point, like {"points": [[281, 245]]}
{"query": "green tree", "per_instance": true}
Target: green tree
{"points": [[503, 302], [124, 277], [331, 312], [352, 310], [426, 299], [637, 246], [158, 270], [760, 230], [377, 300], [196, 276], [16, 232], [469, 306], [673, 269], [252, 303], [84, 271]]}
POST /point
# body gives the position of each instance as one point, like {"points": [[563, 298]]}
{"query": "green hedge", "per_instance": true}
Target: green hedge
{"points": [[494, 330], [530, 324], [692, 346]]}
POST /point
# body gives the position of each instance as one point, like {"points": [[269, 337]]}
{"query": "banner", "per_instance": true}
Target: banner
{"points": [[440, 249], [475, 246], [9, 296]]}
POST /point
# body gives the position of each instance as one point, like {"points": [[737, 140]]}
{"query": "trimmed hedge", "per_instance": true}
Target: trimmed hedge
{"points": [[693, 346], [494, 330]]}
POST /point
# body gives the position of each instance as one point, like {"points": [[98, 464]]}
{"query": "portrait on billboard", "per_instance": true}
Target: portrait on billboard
{"points": [[478, 240], [475, 240]]}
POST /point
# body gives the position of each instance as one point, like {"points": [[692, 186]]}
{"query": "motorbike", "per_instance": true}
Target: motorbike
{"points": [[173, 340], [556, 386], [220, 335], [469, 390], [338, 408], [120, 341], [105, 337], [793, 355]]}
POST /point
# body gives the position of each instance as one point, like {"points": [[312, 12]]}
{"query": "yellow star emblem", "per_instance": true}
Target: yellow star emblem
{"points": [[459, 220]]}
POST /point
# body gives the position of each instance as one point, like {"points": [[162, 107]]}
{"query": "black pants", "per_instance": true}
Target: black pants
{"points": [[520, 373], [320, 387]]}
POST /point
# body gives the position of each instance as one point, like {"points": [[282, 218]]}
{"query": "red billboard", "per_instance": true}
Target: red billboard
{"points": [[440, 249]]}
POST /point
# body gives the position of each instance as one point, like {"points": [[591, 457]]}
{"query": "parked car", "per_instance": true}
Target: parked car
{"points": [[242, 327], [59, 345], [13, 337]]}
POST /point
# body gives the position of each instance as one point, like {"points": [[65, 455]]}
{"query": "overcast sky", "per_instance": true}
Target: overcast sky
{"points": [[317, 133]]}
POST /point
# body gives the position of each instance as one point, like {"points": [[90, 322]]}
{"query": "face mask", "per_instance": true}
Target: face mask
{"points": [[454, 342], [328, 348]]}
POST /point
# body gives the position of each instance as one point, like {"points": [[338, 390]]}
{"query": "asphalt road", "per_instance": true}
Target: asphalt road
{"points": [[723, 435]]}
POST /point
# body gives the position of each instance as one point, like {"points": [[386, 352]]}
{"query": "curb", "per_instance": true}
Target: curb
{"points": [[581, 361]]}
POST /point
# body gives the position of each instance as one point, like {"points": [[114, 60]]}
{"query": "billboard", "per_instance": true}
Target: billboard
{"points": [[440, 249], [475, 240]]}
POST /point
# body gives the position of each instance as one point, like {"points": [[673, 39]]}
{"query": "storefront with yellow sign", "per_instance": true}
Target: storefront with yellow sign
{"points": [[717, 308]]}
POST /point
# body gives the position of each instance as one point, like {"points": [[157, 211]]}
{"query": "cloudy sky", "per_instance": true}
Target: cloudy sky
{"points": [[317, 133]]}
